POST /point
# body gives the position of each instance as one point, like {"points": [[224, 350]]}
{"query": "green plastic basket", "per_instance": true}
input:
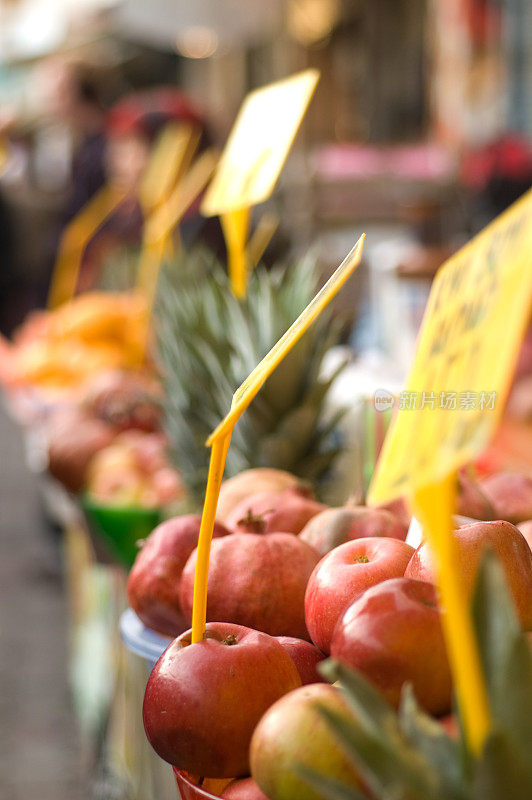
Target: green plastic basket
{"points": [[121, 527]]}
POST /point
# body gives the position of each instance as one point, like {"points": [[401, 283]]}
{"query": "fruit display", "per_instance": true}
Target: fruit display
{"points": [[54, 352], [133, 471], [341, 595]]}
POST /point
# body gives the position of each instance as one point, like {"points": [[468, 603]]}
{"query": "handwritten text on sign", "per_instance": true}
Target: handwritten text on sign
{"points": [[259, 143], [474, 323]]}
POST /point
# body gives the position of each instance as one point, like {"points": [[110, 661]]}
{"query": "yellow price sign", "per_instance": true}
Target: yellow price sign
{"points": [[475, 320], [477, 312], [220, 438], [258, 144]]}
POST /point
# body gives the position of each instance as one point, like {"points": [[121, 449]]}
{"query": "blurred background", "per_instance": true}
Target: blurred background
{"points": [[420, 132]]}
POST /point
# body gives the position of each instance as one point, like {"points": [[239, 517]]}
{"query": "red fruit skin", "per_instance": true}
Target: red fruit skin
{"points": [[271, 512], [255, 580], [510, 495], [471, 500], [526, 530], [243, 789], [203, 700], [508, 544], [335, 526], [154, 580], [305, 656], [450, 725], [341, 577], [393, 634], [400, 510]]}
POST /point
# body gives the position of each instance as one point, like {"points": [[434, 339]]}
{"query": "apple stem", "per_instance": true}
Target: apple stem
{"points": [[230, 640]]}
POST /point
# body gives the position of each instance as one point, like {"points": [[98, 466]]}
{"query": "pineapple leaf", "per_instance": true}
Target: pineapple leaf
{"points": [[429, 737], [502, 774], [504, 651], [328, 787]]}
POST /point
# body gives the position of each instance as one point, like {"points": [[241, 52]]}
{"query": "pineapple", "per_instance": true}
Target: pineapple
{"points": [[208, 343], [408, 755]]}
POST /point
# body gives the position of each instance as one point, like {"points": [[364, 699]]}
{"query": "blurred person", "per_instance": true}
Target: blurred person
{"points": [[76, 95], [133, 126]]}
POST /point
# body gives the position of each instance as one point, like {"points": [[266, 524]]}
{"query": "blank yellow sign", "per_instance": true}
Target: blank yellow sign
{"points": [[259, 143], [475, 320]]}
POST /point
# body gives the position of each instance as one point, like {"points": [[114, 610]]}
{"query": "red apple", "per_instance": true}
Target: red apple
{"points": [[256, 580], [154, 581], [267, 512], [335, 526], [341, 577], [510, 495], [471, 500], [292, 734], [392, 634], [509, 545], [243, 789], [400, 510], [203, 700], [526, 530], [305, 656]]}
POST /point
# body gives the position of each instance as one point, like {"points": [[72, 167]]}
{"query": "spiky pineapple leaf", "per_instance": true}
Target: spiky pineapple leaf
{"points": [[328, 787], [428, 736], [504, 651], [208, 342], [501, 773]]}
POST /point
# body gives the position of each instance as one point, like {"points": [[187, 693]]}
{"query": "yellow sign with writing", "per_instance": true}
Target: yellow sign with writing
{"points": [[475, 320], [220, 438], [259, 143]]}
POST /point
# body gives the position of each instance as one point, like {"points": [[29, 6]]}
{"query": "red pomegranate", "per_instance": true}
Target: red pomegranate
{"points": [[255, 580], [154, 581], [268, 512]]}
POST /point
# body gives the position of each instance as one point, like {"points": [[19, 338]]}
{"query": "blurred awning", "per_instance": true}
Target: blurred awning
{"points": [[225, 23]]}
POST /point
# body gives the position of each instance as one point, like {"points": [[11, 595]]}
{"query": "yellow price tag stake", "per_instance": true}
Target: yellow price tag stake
{"points": [[259, 143], [251, 386], [433, 507], [74, 240], [235, 228], [475, 320], [169, 161], [219, 439], [261, 237], [160, 225]]}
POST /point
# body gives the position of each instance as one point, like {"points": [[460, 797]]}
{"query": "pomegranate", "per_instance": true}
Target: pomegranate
{"points": [[269, 512], [251, 481], [257, 581], [154, 581]]}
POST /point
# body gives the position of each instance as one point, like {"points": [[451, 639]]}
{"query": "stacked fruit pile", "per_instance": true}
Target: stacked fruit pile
{"points": [[54, 352], [290, 582]]}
